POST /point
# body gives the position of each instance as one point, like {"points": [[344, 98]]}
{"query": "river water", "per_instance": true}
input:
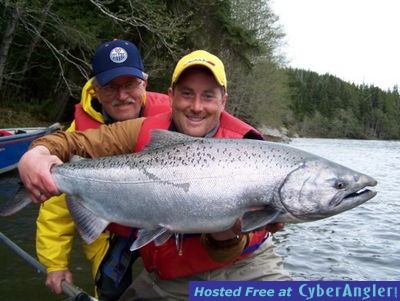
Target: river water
{"points": [[360, 244]]}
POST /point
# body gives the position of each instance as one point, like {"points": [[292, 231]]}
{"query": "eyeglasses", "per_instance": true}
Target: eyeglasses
{"points": [[111, 90]]}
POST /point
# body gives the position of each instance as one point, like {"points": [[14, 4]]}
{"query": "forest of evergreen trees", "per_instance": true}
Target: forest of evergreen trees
{"points": [[46, 49], [326, 106]]}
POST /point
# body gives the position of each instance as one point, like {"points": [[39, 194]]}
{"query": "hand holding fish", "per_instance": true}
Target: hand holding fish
{"points": [[216, 243], [34, 171]]}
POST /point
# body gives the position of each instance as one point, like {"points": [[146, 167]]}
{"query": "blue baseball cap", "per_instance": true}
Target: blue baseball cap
{"points": [[117, 58]]}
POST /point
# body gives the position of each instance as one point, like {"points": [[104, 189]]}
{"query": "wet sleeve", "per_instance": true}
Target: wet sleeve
{"points": [[107, 140], [225, 250]]}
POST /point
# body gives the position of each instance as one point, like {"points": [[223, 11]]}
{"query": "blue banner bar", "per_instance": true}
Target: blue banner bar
{"points": [[294, 290]]}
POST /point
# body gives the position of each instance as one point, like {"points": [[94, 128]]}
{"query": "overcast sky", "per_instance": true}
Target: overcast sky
{"points": [[355, 40]]}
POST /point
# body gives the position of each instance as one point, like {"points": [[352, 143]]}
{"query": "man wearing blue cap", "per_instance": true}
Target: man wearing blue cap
{"points": [[117, 92]]}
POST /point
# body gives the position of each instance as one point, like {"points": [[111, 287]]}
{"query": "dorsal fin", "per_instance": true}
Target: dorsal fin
{"points": [[164, 138], [76, 158]]}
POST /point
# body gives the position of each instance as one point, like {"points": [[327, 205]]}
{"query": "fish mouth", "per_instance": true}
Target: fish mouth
{"points": [[357, 196], [360, 196]]}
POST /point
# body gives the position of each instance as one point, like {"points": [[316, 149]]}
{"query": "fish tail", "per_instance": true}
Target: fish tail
{"points": [[15, 204]]}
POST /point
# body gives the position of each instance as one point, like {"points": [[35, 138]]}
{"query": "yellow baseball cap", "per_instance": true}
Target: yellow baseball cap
{"points": [[201, 58]]}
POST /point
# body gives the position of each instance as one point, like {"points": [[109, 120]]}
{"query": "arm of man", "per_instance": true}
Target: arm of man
{"points": [[107, 140], [54, 236], [34, 166], [227, 245]]}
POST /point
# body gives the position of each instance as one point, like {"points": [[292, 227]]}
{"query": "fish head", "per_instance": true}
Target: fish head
{"points": [[320, 188]]}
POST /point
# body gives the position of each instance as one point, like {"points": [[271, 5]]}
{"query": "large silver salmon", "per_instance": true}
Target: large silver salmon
{"points": [[181, 184]]}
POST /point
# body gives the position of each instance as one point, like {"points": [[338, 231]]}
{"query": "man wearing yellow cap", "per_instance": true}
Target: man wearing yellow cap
{"points": [[198, 94], [117, 92]]}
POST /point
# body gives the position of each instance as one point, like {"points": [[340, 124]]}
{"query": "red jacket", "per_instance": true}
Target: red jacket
{"points": [[165, 258]]}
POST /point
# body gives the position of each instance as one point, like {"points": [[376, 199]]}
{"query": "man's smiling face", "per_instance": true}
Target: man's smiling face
{"points": [[197, 102]]}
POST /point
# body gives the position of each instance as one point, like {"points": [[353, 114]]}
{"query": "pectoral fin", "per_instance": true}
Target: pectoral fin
{"points": [[159, 235], [252, 220], [89, 225]]}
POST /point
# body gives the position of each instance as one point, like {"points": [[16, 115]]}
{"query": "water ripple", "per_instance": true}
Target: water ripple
{"points": [[360, 244]]}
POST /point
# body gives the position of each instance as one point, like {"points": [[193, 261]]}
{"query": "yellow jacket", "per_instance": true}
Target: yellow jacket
{"points": [[55, 228]]}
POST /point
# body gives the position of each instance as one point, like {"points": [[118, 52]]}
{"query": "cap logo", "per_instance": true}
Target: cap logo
{"points": [[118, 55], [199, 59]]}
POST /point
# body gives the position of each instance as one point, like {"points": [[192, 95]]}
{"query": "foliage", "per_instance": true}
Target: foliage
{"points": [[47, 47], [325, 106]]}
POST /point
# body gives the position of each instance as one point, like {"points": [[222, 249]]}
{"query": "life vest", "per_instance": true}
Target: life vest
{"points": [[87, 118], [165, 259], [155, 103]]}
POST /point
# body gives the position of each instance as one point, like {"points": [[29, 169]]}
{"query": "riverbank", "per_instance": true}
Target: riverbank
{"points": [[11, 118], [276, 135]]}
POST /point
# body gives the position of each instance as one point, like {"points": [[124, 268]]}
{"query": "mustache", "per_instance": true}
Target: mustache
{"points": [[118, 102]]}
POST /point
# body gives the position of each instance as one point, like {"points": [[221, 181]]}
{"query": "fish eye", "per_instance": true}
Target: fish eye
{"points": [[340, 185]]}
